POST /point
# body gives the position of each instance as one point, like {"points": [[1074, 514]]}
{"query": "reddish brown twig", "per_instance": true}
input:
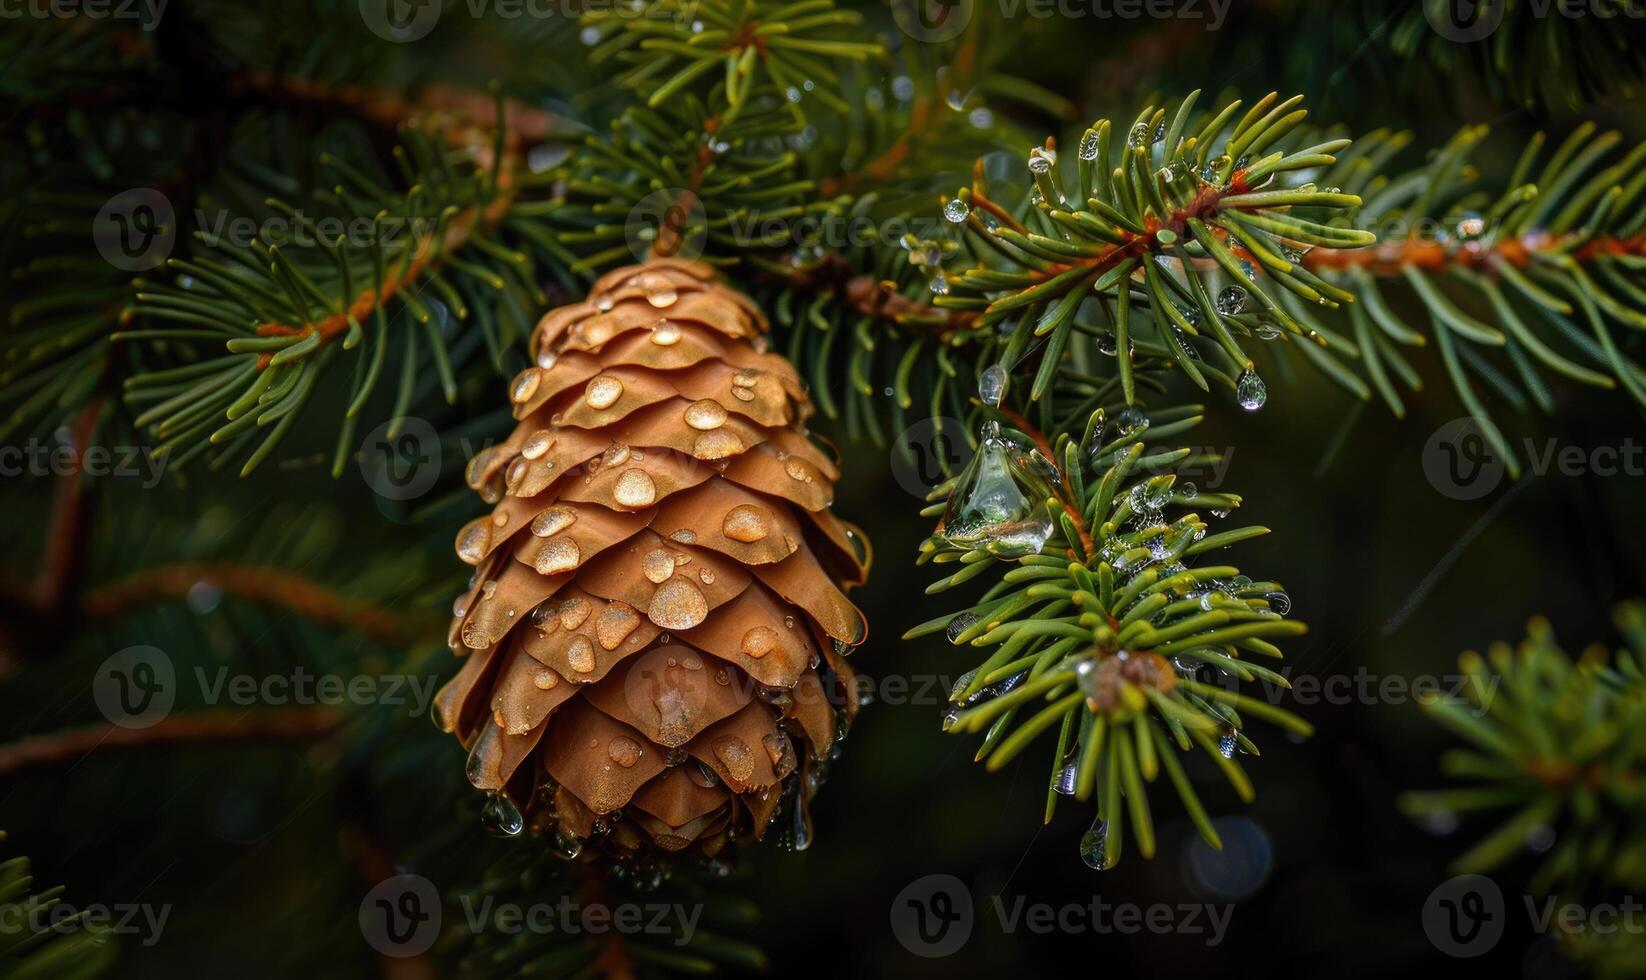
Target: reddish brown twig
{"points": [[263, 585], [212, 727], [1390, 258]]}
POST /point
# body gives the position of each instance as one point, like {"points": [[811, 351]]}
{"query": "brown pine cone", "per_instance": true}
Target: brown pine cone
{"points": [[655, 629]]}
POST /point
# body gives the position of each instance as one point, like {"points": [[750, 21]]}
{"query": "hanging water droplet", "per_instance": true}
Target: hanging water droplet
{"points": [[1085, 675], [999, 503], [955, 211], [1063, 785], [1132, 423], [991, 387], [1267, 331], [1250, 391], [939, 285], [1041, 160], [1088, 145], [567, 846], [1231, 300], [959, 625], [1280, 602], [1093, 843], [1226, 745], [501, 817]]}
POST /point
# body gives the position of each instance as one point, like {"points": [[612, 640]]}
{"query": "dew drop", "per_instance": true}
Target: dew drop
{"points": [[557, 555], [956, 211], [717, 444], [705, 415], [580, 654], [624, 751], [746, 523], [657, 566], [734, 754], [614, 624], [603, 391], [537, 444], [635, 489], [1250, 391], [1088, 145], [678, 604], [666, 334], [525, 385], [474, 541], [574, 611], [959, 625], [553, 521], [501, 817], [1231, 300], [545, 679], [991, 387], [1093, 843], [759, 641], [615, 455]]}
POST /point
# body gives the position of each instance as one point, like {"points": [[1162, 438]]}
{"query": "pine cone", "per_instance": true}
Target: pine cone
{"points": [[655, 630]]}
